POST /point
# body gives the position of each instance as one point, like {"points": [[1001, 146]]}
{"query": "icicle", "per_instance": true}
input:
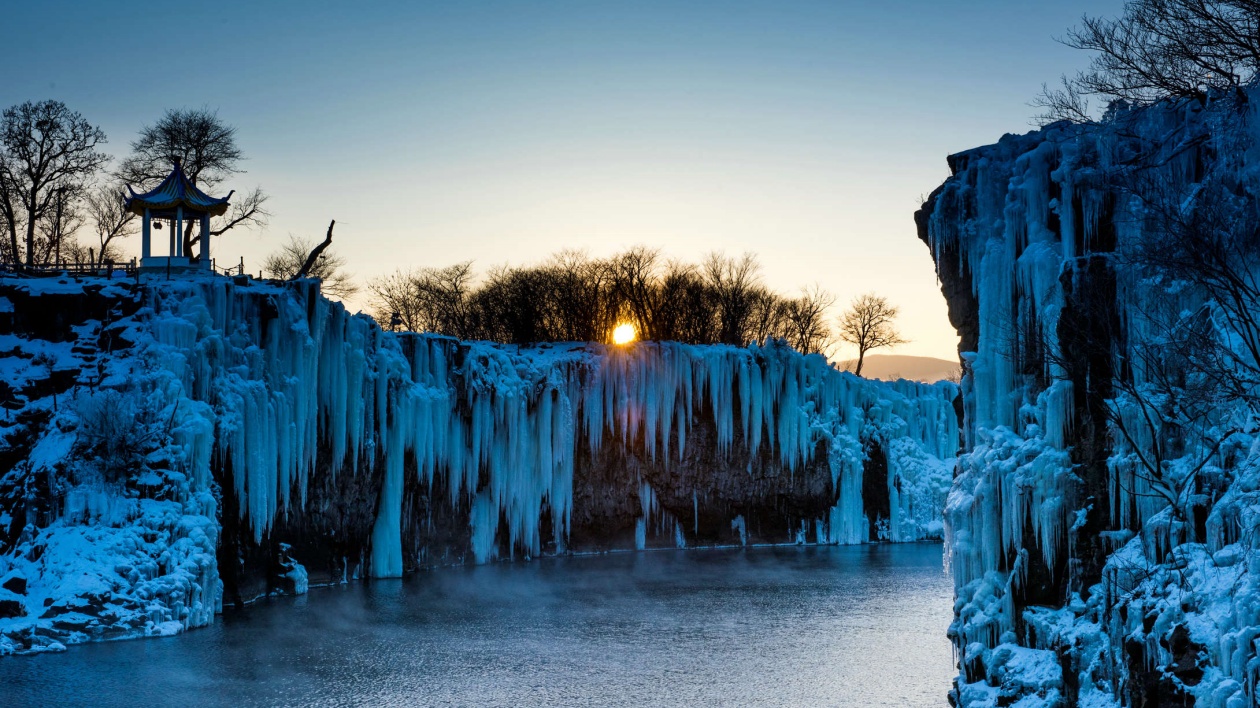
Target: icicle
{"points": [[287, 377]]}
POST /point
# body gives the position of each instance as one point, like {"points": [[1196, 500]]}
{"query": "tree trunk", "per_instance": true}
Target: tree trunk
{"points": [[861, 356], [30, 232], [13, 243], [314, 255]]}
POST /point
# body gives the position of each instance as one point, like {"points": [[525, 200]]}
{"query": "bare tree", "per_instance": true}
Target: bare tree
{"points": [[287, 262], [54, 233], [635, 273], [248, 210], [868, 324], [443, 297], [1158, 49], [1206, 233], [581, 302], [1066, 101], [318, 250], [767, 316], [686, 311], [734, 282], [806, 320], [428, 300], [44, 147], [1172, 423], [206, 148], [204, 145], [74, 251], [107, 212], [396, 295], [111, 433]]}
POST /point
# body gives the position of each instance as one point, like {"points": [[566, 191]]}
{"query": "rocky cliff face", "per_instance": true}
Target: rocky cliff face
{"points": [[1100, 534], [174, 445]]}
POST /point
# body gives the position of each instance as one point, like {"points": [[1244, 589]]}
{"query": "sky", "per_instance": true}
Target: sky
{"points": [[501, 132]]}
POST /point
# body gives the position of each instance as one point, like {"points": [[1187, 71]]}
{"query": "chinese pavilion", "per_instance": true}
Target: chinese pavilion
{"points": [[173, 201]]}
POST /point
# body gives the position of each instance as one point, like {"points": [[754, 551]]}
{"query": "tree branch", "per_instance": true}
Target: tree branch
{"points": [[315, 252]]}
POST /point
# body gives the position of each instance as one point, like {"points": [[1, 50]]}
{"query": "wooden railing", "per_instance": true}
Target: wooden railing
{"points": [[129, 268], [50, 270]]}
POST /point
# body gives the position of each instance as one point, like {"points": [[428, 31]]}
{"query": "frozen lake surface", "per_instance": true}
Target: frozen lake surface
{"points": [[839, 626]]}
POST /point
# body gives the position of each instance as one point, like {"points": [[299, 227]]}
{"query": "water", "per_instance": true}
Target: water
{"points": [[840, 626]]}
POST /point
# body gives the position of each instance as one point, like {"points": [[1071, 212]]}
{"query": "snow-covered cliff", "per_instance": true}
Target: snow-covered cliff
{"points": [[172, 444], [1100, 529]]}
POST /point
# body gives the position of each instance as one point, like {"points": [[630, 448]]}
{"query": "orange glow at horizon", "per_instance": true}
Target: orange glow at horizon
{"points": [[624, 334]]}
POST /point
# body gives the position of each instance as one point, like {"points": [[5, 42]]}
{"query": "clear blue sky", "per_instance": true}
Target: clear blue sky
{"points": [[501, 132]]}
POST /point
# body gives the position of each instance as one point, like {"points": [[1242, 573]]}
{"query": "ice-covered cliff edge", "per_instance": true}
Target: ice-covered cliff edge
{"points": [[1082, 578], [174, 444]]}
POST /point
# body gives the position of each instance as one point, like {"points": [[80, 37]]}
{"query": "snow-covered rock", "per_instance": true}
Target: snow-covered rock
{"points": [[1058, 540]]}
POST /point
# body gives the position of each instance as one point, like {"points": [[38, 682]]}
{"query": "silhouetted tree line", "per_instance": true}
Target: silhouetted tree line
{"points": [[574, 297]]}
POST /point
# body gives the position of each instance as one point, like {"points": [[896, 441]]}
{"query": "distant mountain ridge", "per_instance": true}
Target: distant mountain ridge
{"points": [[889, 367]]}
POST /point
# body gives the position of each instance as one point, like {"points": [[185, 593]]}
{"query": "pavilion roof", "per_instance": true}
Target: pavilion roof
{"points": [[174, 191]]}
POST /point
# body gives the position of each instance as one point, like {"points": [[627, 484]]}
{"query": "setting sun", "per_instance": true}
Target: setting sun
{"points": [[623, 334]]}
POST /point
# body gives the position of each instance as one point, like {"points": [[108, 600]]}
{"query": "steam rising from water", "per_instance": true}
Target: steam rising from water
{"points": [[782, 626]]}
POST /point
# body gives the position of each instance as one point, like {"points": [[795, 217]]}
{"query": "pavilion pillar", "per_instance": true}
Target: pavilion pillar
{"points": [[205, 240], [177, 235], [146, 236]]}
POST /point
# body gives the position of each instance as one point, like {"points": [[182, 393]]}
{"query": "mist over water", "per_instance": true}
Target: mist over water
{"points": [[792, 626]]}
